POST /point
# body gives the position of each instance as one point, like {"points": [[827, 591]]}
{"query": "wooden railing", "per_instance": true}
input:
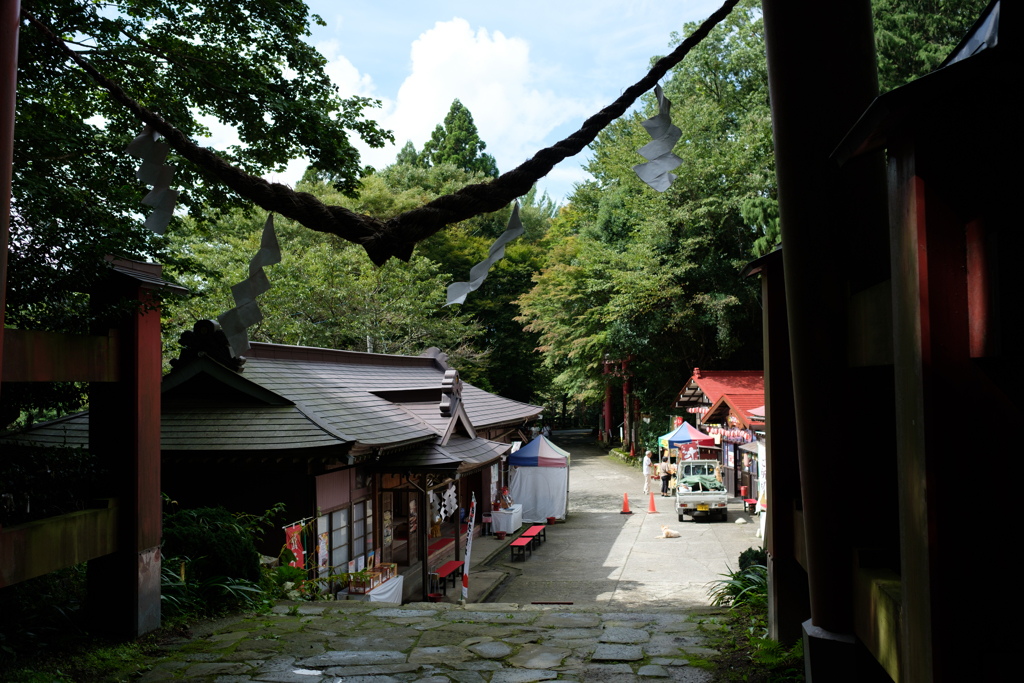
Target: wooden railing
{"points": [[46, 545]]}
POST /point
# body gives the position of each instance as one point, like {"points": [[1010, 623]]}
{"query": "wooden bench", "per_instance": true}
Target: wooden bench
{"points": [[448, 570], [538, 533], [522, 544], [749, 505]]}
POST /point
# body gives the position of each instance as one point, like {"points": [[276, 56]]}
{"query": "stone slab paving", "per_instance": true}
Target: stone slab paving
{"points": [[488, 643]]}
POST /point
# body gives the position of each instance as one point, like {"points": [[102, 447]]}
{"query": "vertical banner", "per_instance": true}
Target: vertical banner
{"points": [[322, 551], [679, 421], [293, 539], [469, 546], [413, 518]]}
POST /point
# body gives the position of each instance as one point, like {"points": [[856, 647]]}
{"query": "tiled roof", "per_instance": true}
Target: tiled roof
{"points": [[712, 384], [248, 428], [334, 403], [459, 454], [281, 368]]}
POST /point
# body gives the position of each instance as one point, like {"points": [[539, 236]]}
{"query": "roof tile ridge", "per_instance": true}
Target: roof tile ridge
{"points": [[417, 418], [321, 422]]}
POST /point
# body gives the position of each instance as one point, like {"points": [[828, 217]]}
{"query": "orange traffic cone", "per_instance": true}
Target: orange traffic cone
{"points": [[625, 505], [651, 510]]}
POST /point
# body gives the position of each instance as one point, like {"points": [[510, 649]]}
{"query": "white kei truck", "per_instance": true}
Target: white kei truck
{"points": [[698, 491]]}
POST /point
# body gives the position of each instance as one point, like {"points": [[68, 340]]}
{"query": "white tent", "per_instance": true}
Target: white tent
{"points": [[540, 480]]}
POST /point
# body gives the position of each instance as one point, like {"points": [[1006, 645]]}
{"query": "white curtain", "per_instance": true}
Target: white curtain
{"points": [[541, 490]]}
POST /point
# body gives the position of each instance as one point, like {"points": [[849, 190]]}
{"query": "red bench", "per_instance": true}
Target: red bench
{"points": [[538, 533], [522, 544], [448, 570]]}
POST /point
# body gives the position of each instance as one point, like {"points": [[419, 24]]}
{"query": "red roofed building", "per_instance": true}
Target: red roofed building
{"points": [[726, 398]]}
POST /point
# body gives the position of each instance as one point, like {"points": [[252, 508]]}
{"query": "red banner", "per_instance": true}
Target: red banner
{"points": [[293, 540], [679, 421]]}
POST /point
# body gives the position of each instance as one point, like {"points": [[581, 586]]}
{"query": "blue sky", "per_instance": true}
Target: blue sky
{"points": [[530, 72]]}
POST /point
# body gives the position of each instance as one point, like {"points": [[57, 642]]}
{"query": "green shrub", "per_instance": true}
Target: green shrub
{"points": [[216, 543], [752, 556], [286, 573], [748, 586]]}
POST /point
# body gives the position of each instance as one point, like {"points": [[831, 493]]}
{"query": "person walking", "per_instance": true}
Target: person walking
{"points": [[664, 471], [647, 472]]}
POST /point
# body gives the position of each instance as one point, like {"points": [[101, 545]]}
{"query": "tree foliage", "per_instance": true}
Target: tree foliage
{"points": [[325, 292], [913, 37], [75, 196], [635, 272], [457, 142]]}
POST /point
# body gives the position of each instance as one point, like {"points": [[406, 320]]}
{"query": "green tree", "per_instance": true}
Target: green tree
{"points": [[325, 292], [75, 196], [656, 275], [913, 37], [458, 142], [408, 155]]}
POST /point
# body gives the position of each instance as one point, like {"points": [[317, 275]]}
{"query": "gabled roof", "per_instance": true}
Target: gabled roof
{"points": [[742, 406], [282, 369], [705, 387], [290, 398]]}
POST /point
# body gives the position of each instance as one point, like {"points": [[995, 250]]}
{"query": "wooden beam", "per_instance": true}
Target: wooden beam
{"points": [[35, 356], [46, 545]]}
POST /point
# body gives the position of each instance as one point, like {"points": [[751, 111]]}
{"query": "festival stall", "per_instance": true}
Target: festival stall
{"points": [[540, 480], [687, 439]]}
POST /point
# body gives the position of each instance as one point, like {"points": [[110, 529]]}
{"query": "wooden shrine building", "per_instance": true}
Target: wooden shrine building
{"points": [[360, 442]]}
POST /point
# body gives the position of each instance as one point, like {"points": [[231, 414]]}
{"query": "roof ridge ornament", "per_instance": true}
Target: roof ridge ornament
{"points": [[206, 338], [451, 392]]}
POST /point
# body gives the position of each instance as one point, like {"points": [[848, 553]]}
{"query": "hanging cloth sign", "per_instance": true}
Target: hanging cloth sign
{"points": [[658, 152], [469, 547], [293, 539], [458, 291]]}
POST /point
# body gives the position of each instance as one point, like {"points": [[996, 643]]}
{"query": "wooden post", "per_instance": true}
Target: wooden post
{"points": [[837, 56], [9, 21], [424, 529], [124, 421], [788, 600]]}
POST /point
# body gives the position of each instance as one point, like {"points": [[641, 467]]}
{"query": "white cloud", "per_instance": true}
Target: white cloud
{"points": [[490, 73]]}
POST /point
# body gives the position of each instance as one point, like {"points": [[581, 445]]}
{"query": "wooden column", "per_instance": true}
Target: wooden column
{"points": [[932, 345], [424, 529], [9, 18], [821, 78], [788, 600], [124, 421]]}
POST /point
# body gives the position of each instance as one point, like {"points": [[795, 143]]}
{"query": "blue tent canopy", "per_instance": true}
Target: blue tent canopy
{"points": [[539, 453]]}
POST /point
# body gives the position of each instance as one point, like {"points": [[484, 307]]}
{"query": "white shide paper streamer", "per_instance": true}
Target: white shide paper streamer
{"points": [[658, 152], [457, 291], [246, 312], [155, 172]]}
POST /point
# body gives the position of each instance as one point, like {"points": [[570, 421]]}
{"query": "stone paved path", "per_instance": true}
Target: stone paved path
{"points": [[356, 642]]}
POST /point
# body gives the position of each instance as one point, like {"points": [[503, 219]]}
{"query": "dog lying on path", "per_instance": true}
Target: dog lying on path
{"points": [[667, 533]]}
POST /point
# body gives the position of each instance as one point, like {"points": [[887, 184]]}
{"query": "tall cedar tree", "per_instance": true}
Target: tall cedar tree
{"points": [[458, 142]]}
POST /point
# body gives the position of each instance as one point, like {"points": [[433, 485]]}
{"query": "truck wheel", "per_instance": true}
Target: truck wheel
{"points": [[725, 516], [682, 517]]}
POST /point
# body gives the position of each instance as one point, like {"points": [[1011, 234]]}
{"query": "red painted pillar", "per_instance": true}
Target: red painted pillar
{"points": [[124, 421], [607, 405], [627, 422], [8, 94]]}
